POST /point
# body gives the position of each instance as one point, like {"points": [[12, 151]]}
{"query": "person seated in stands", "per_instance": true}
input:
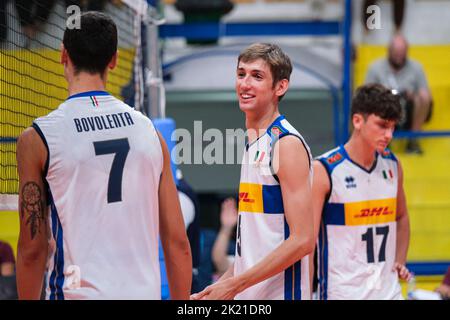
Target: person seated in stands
{"points": [[8, 289], [226, 238], [33, 16], [7, 261], [444, 288], [407, 78]]}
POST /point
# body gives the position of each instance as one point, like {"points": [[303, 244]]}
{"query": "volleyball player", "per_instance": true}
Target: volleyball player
{"points": [[95, 181]]}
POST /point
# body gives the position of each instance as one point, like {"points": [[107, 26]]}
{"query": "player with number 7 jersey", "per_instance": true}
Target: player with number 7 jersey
{"points": [[100, 152], [95, 179], [360, 208]]}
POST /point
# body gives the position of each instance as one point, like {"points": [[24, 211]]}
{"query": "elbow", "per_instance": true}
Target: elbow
{"points": [[184, 248], [308, 245], [31, 255], [304, 246]]}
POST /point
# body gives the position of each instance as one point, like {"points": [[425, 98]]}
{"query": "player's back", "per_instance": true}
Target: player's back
{"points": [[104, 166]]}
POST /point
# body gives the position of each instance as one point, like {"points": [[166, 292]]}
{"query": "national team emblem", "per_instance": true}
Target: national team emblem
{"points": [[386, 153], [334, 158], [276, 131], [350, 182]]}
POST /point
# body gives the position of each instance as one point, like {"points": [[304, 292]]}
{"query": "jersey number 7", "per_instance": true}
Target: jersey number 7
{"points": [[120, 147]]}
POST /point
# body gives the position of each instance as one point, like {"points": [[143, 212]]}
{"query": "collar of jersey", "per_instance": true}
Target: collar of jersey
{"points": [[277, 120], [89, 94], [358, 165]]}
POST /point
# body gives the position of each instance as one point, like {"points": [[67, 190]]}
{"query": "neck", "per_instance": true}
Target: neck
{"points": [[257, 124], [84, 82], [360, 152]]}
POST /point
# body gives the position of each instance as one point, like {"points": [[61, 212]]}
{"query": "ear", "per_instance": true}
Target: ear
{"points": [[281, 87], [357, 120], [64, 55], [113, 63]]}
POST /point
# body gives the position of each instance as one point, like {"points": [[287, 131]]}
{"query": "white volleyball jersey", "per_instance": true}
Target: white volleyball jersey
{"points": [[104, 166], [262, 226], [357, 239]]}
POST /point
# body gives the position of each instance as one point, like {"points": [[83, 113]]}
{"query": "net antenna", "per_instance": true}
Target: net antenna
{"points": [[156, 103]]}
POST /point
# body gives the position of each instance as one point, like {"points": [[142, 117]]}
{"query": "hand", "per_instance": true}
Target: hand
{"points": [[402, 271], [444, 291], [222, 290], [228, 213]]}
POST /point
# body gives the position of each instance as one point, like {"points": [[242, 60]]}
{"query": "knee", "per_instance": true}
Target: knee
{"points": [[424, 98]]}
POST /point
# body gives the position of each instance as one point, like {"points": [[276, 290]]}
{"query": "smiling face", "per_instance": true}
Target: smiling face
{"points": [[375, 131], [255, 89]]}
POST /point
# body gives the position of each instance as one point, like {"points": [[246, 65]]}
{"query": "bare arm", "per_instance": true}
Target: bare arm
{"points": [[402, 230], [33, 237], [177, 252], [292, 160], [320, 189], [228, 219]]}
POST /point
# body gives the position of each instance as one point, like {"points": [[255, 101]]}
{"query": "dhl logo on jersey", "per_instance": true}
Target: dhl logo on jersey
{"points": [[370, 212], [250, 197]]}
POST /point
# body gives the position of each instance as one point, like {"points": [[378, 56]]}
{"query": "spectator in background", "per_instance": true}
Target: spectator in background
{"points": [[8, 289], [444, 288], [190, 209], [3, 20], [221, 255], [7, 261], [398, 13], [407, 78], [88, 5], [32, 16]]}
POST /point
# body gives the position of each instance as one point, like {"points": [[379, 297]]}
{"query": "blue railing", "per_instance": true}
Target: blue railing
{"points": [[208, 30], [428, 268]]}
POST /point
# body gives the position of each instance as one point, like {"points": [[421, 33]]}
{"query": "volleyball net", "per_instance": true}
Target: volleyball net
{"points": [[31, 76]]}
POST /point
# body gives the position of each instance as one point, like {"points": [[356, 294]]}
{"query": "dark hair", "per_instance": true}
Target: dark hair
{"points": [[92, 46], [279, 62], [378, 100]]}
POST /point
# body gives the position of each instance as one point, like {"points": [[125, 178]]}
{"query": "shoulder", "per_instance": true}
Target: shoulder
{"points": [[29, 136], [389, 155], [378, 65], [53, 118], [281, 128], [331, 159], [416, 65], [31, 147]]}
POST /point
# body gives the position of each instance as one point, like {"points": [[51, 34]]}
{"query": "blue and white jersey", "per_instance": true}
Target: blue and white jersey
{"points": [[262, 225], [103, 171], [357, 238]]}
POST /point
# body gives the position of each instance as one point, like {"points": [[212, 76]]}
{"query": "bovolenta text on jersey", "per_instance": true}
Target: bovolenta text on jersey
{"points": [[103, 122]]}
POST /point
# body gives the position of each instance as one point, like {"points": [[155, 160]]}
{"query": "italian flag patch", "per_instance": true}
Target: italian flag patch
{"points": [[387, 174]]}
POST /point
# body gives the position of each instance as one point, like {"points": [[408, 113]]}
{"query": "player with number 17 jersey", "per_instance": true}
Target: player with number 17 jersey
{"points": [[358, 233], [93, 140]]}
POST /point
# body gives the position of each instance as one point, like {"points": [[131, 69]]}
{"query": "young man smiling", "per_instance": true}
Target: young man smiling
{"points": [[275, 222], [360, 206]]}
